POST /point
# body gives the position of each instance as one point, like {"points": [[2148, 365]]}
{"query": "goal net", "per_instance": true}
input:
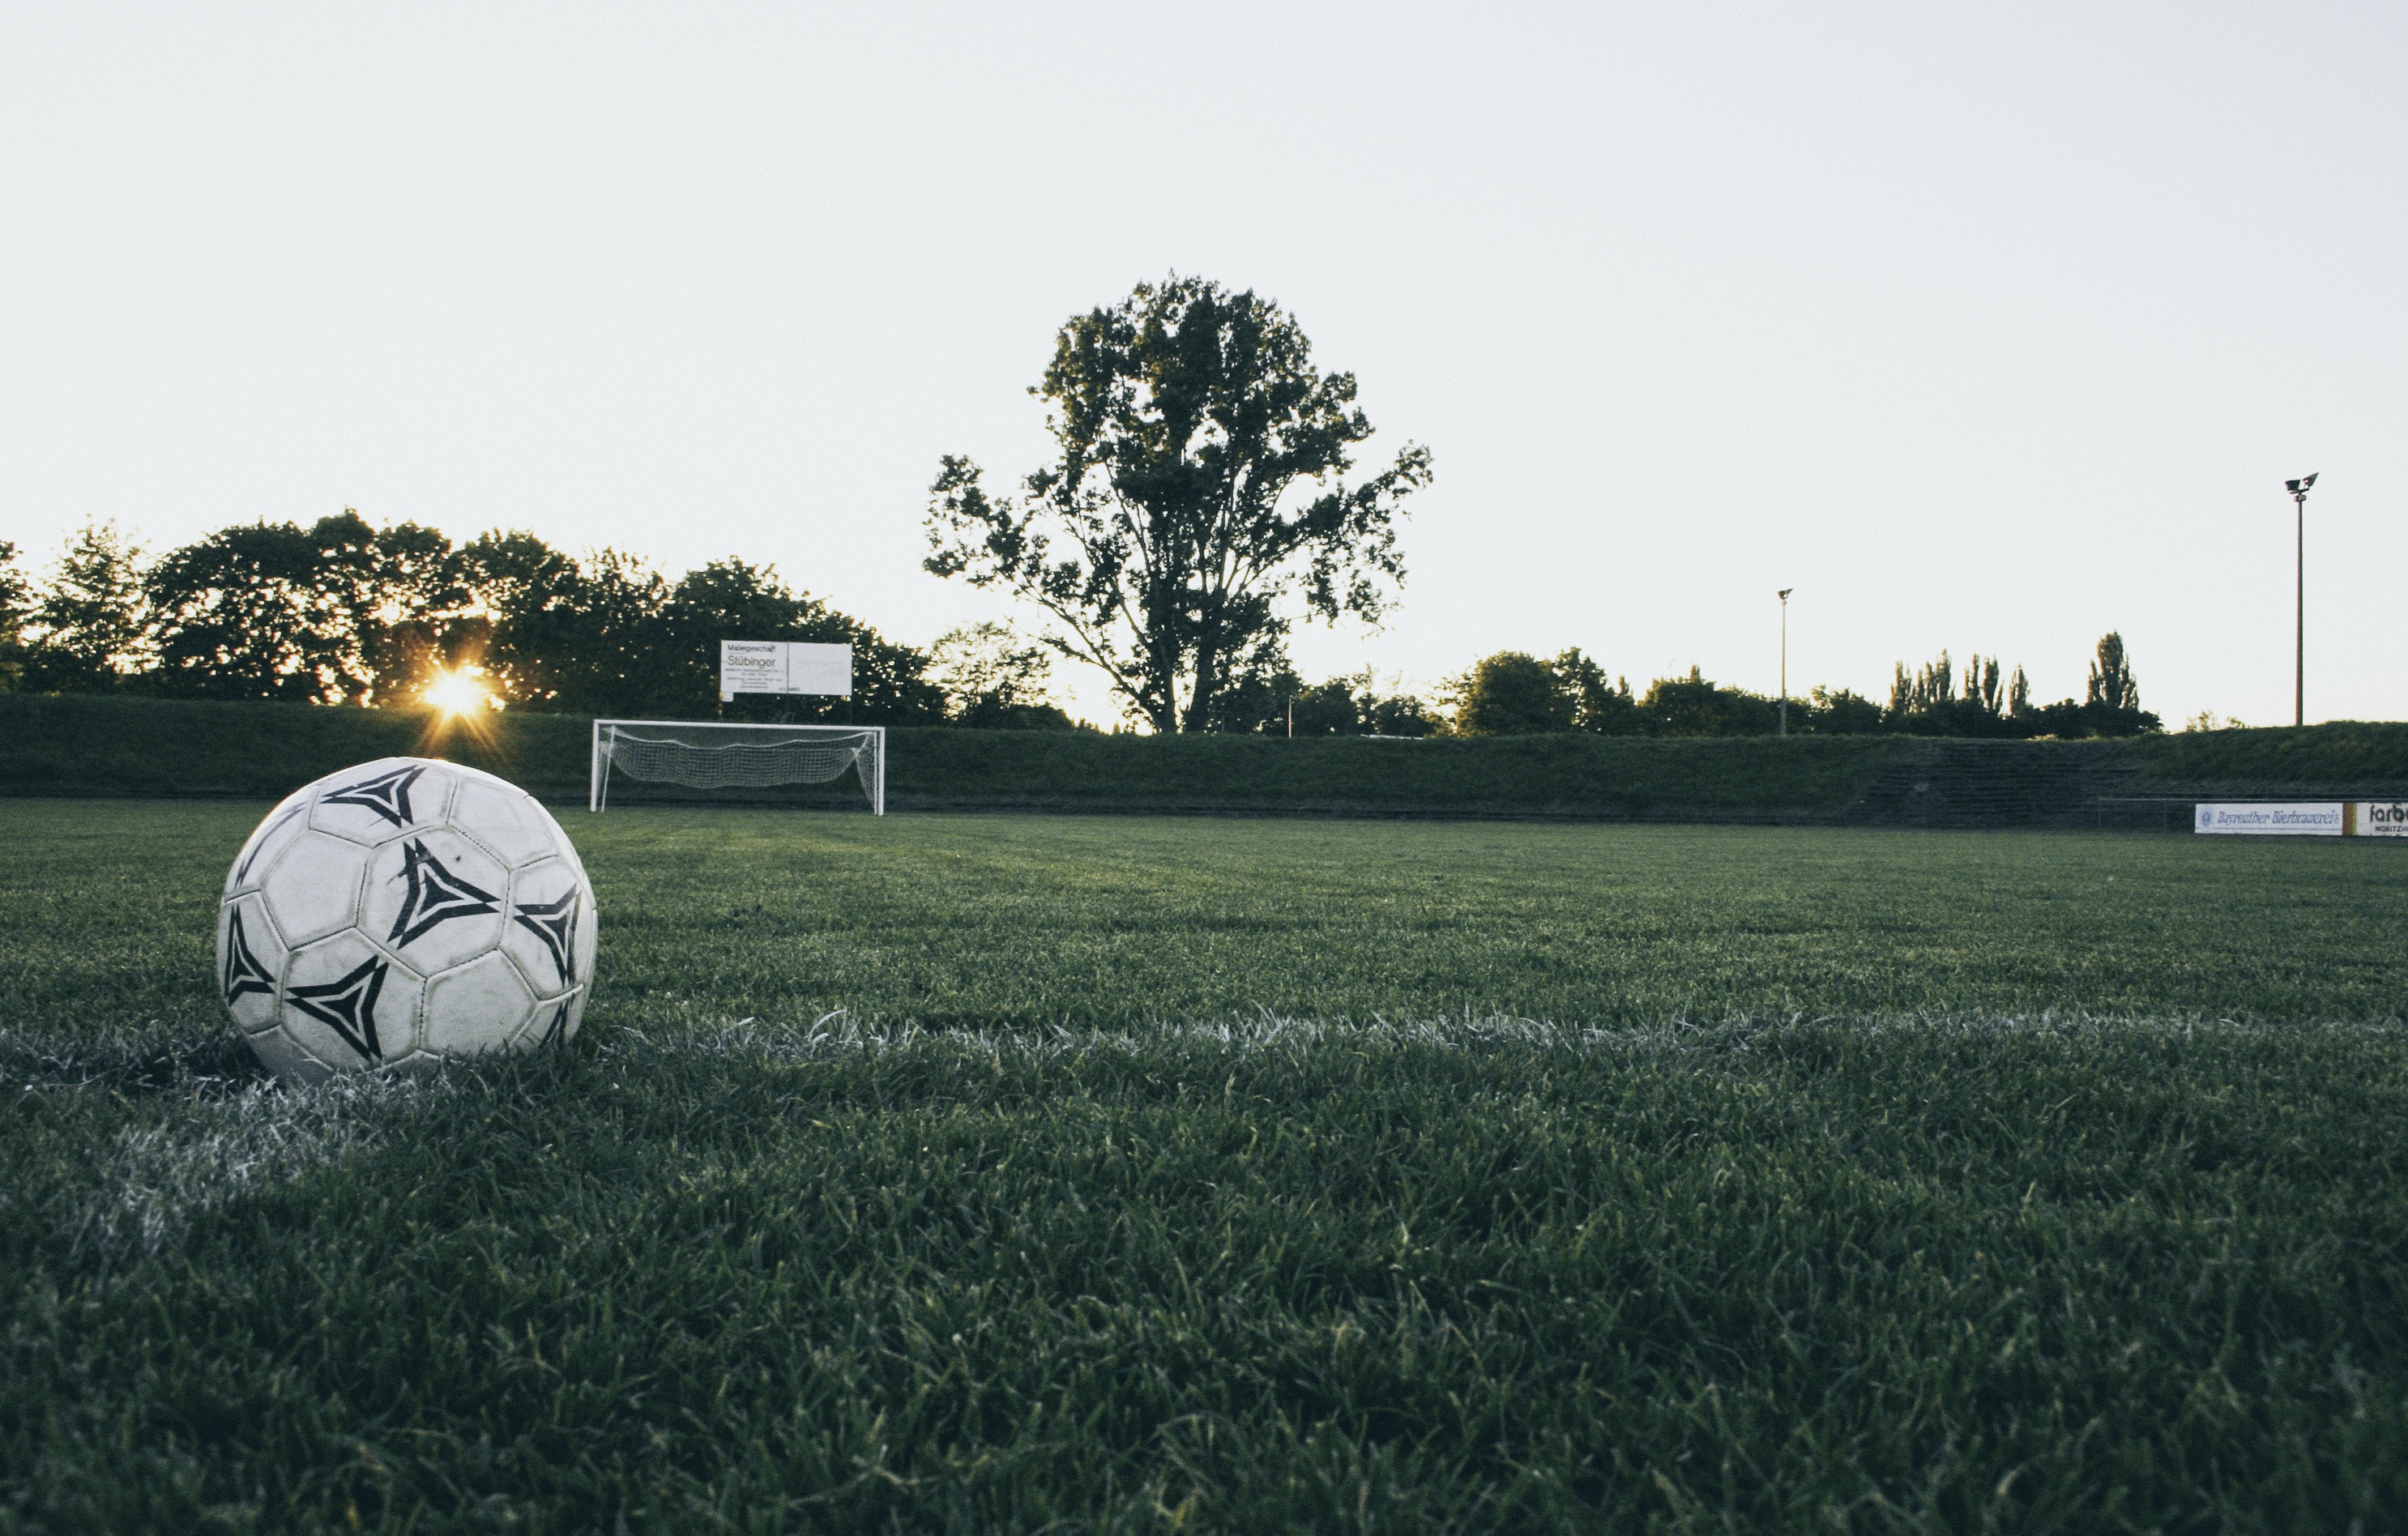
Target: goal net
{"points": [[713, 756]]}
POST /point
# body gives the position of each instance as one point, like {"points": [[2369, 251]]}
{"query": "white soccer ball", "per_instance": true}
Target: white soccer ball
{"points": [[400, 914]]}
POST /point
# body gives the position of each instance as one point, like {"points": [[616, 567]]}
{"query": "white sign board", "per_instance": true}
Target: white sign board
{"points": [[2381, 819], [2268, 819], [784, 667]]}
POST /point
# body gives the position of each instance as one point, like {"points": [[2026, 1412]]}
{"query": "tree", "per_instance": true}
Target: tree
{"points": [[1511, 693], [241, 614], [1929, 702], [1200, 493], [2112, 684], [1329, 709], [16, 609], [1600, 705], [1255, 691], [413, 613], [1399, 714], [90, 625], [1983, 686], [1925, 692], [1839, 711], [338, 612], [996, 679], [527, 598], [1696, 706]]}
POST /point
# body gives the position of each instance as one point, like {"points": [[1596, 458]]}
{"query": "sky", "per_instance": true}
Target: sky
{"points": [[1982, 328]]}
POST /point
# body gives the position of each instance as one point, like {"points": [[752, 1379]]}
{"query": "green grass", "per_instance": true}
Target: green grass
{"points": [[2345, 758], [1237, 1176]]}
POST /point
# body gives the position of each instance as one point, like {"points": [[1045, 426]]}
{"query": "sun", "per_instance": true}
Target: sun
{"points": [[457, 693]]}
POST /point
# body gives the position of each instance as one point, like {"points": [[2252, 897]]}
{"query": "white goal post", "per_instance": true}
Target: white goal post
{"points": [[721, 755]]}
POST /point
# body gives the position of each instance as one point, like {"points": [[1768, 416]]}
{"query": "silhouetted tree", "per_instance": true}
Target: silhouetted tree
{"points": [[995, 679], [16, 611], [1839, 712], [1399, 714], [1599, 704], [337, 612], [1199, 495], [89, 625], [1511, 693], [1696, 706], [2112, 682]]}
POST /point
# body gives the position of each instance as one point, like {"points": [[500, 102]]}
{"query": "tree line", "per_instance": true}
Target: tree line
{"points": [[1514, 694], [345, 612]]}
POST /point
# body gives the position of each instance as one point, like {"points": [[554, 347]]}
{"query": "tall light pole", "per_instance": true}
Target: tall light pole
{"points": [[2299, 489], [1785, 659]]}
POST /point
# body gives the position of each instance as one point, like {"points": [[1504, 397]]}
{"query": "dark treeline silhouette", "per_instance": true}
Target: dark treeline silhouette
{"points": [[1515, 693], [344, 612]]}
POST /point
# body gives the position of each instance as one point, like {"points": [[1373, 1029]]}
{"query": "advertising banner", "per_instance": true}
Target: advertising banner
{"points": [[2263, 818], [784, 667], [2380, 818]]}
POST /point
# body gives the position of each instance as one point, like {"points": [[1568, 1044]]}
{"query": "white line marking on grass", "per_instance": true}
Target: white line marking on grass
{"points": [[838, 1034], [155, 1180]]}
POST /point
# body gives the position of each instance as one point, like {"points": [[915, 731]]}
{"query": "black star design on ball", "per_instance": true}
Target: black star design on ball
{"points": [[559, 1021], [348, 1006], [436, 895], [553, 922], [387, 794], [243, 972]]}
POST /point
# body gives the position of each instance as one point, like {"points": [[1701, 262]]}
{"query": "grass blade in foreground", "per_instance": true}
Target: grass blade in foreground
{"points": [[2035, 1274], [1956, 1255]]}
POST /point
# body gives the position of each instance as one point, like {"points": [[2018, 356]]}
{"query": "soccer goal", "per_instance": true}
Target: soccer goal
{"points": [[711, 754]]}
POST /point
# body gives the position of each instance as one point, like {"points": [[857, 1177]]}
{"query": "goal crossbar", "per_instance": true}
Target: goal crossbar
{"points": [[724, 755]]}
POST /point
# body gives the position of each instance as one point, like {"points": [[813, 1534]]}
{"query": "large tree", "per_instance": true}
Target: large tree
{"points": [[339, 611], [1200, 494], [89, 626]]}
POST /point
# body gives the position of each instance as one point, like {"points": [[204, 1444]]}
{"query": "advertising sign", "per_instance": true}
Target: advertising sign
{"points": [[2264, 818], [2380, 818], [784, 667]]}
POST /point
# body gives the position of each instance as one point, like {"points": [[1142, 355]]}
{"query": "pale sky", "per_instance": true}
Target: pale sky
{"points": [[1990, 327]]}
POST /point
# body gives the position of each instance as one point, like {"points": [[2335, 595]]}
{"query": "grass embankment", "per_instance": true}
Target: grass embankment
{"points": [[937, 1263], [134, 746], [85, 745], [2347, 757], [52, 745]]}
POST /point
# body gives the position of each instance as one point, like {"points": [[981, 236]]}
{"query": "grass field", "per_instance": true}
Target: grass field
{"points": [[1020, 1174]]}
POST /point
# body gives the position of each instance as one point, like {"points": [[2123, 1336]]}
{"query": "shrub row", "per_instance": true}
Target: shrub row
{"points": [[68, 744]]}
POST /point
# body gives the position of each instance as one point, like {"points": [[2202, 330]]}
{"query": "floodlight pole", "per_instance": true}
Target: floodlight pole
{"points": [[1785, 659], [2299, 489]]}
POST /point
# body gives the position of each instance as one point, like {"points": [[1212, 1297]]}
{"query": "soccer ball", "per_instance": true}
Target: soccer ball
{"points": [[400, 914]]}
